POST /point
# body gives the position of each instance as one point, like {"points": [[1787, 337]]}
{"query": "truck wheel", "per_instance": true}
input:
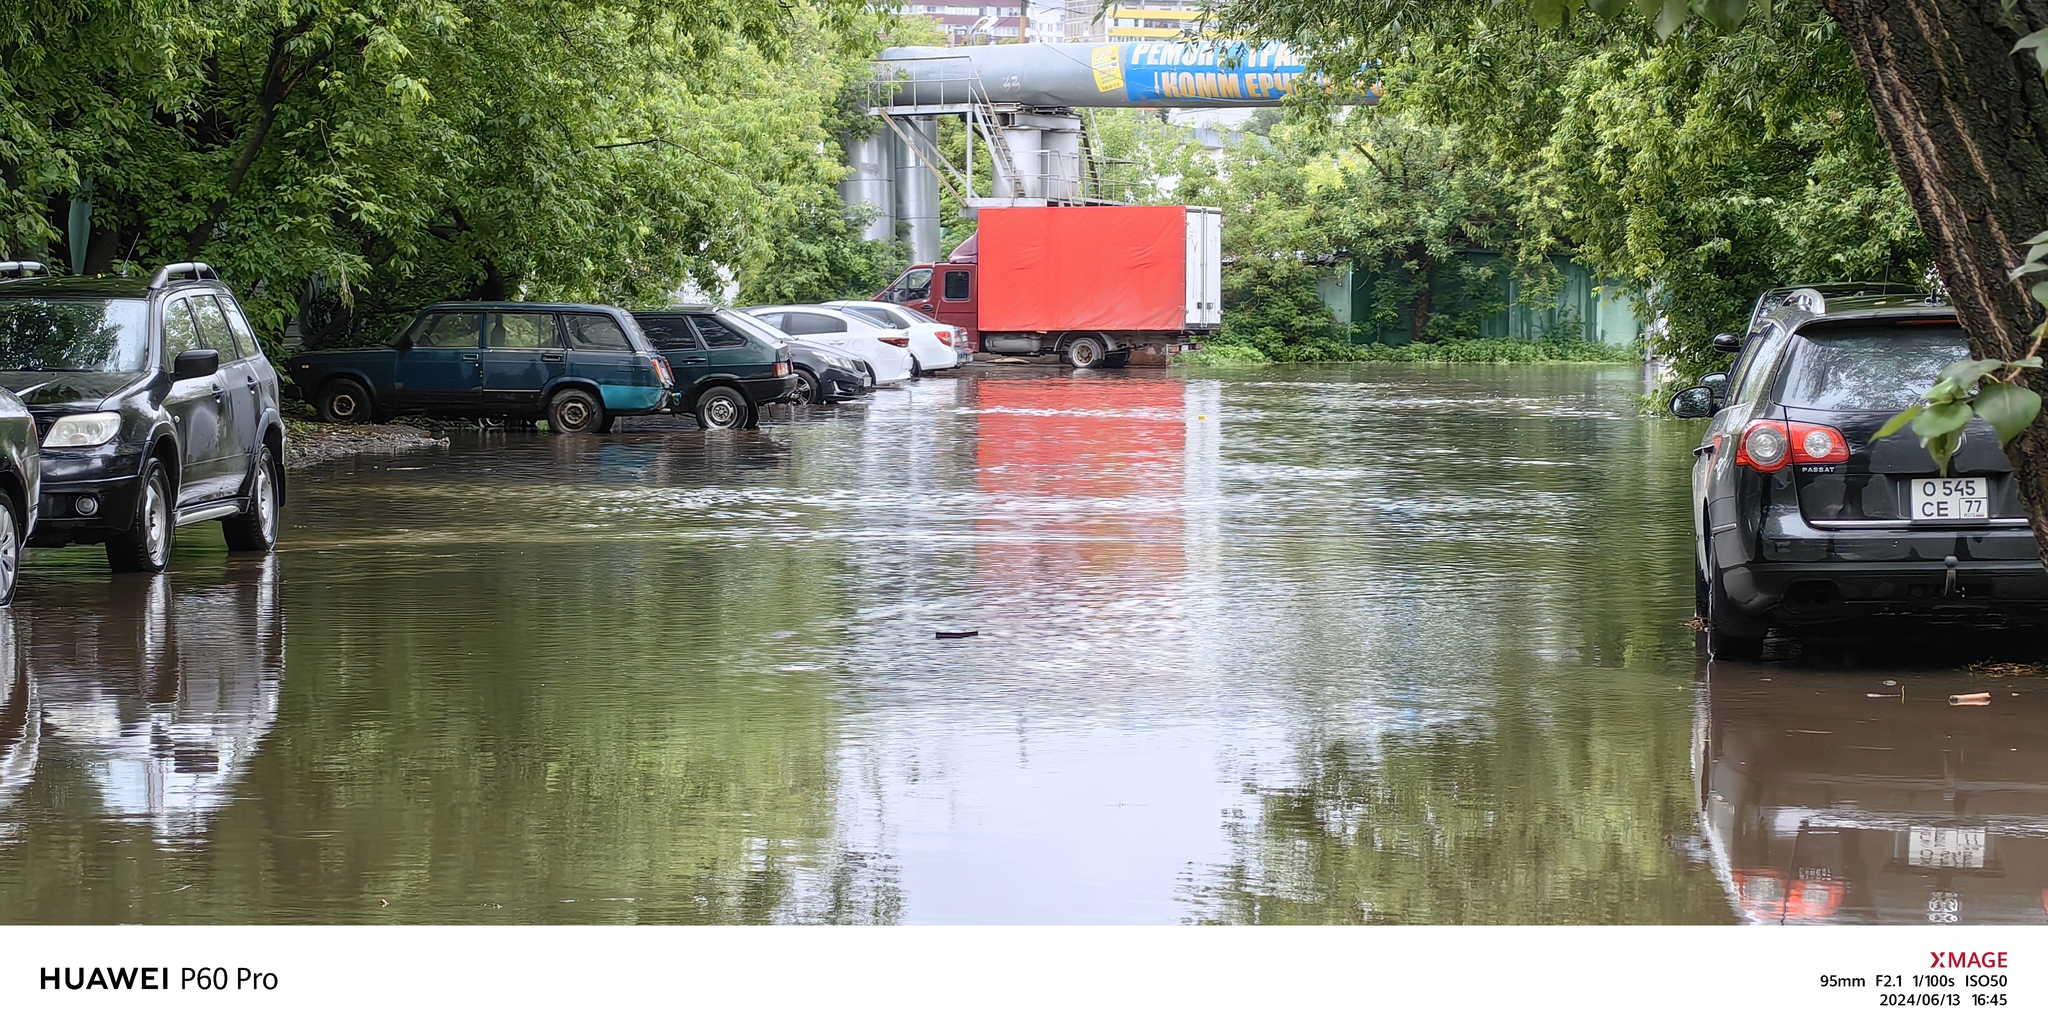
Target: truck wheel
{"points": [[145, 547], [574, 410], [343, 401], [721, 408], [1086, 353]]}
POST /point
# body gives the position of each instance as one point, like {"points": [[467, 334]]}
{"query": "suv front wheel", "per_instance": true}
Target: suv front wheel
{"points": [[145, 547]]}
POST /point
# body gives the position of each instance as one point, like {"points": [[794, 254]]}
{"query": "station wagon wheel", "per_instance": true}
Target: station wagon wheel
{"points": [[721, 408], [255, 530], [343, 401], [574, 410], [145, 547], [10, 553]]}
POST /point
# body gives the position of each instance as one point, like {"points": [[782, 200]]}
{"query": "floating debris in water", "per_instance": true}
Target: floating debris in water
{"points": [[1972, 699], [957, 634]]}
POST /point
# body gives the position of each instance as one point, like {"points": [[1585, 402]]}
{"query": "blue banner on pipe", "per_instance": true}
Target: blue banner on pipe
{"points": [[1176, 71]]}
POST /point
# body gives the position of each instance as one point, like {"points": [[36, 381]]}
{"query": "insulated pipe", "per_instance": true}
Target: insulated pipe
{"points": [[871, 183], [1151, 74]]}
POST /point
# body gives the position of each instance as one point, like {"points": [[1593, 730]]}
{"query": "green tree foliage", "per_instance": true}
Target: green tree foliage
{"points": [[345, 163], [1700, 171]]}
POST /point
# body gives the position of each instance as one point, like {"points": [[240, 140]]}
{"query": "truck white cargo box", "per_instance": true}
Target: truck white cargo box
{"points": [[1205, 269]]}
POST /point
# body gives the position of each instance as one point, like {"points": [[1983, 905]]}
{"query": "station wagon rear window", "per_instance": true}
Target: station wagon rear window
{"points": [[717, 334], [1881, 367], [596, 333]]}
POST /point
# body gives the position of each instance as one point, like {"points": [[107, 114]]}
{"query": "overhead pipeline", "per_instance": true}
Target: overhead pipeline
{"points": [[1206, 74]]}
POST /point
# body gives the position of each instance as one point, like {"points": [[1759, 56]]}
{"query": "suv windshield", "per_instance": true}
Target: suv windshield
{"points": [[74, 335], [1868, 367]]}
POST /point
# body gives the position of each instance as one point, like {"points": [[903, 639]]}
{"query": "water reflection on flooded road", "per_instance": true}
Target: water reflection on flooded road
{"points": [[1330, 645]]}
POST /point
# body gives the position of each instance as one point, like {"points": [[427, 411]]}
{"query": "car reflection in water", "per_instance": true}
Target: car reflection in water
{"points": [[21, 717], [1827, 797], [159, 687]]}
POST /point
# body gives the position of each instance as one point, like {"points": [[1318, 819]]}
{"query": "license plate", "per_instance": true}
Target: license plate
{"points": [[1945, 847], [1951, 498]]}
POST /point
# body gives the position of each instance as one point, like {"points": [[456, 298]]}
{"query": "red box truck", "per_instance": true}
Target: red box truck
{"points": [[1094, 285]]}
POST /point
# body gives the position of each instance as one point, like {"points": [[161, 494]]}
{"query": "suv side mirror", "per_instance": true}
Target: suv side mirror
{"points": [[1728, 343], [191, 365], [1694, 403]]}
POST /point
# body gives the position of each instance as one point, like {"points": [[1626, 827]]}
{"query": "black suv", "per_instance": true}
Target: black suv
{"points": [[1801, 520], [156, 406]]}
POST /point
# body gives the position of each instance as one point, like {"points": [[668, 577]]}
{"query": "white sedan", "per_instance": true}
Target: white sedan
{"points": [[930, 339], [886, 351]]}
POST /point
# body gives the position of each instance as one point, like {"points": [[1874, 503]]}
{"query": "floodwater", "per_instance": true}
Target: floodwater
{"points": [[1358, 644]]}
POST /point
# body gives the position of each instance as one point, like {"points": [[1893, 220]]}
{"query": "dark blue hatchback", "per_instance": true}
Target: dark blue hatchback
{"points": [[578, 366]]}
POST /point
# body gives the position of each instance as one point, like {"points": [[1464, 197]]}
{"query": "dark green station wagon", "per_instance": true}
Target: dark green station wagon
{"points": [[578, 366]]}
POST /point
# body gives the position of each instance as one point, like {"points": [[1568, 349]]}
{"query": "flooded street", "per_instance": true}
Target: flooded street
{"points": [[1352, 644]]}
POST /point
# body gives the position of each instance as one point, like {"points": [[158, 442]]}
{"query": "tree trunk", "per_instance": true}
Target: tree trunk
{"points": [[1424, 271], [1966, 121]]}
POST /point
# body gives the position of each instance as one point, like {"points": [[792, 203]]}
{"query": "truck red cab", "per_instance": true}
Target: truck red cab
{"points": [[1096, 285]]}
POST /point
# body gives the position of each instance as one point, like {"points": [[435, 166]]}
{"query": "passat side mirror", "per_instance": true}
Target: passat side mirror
{"points": [[1718, 383], [191, 365], [1694, 403], [1727, 342]]}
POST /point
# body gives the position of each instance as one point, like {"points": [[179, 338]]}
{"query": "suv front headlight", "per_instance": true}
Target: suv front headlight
{"points": [[86, 431]]}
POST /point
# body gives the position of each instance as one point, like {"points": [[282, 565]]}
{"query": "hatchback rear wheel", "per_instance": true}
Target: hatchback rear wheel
{"points": [[721, 408]]}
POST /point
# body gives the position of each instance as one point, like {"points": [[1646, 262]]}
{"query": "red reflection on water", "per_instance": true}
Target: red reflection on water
{"points": [[1081, 479]]}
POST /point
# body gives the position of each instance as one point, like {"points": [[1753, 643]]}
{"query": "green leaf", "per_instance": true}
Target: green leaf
{"points": [[1649, 8], [1896, 423], [1940, 419], [2038, 238], [1549, 14], [1725, 15], [1943, 448], [2029, 362], [1969, 370], [1609, 9], [1674, 15], [2026, 269], [2038, 43], [2008, 408], [2040, 291]]}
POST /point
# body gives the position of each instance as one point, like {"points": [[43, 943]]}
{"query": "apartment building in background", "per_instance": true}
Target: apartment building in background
{"points": [[1005, 23], [1086, 21]]}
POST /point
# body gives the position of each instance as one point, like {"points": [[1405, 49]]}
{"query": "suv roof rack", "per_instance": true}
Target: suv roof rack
{"points": [[188, 270], [23, 270]]}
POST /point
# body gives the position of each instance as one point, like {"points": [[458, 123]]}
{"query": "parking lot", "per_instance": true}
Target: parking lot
{"points": [[1312, 645]]}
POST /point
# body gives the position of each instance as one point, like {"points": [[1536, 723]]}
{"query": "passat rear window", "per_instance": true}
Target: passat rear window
{"points": [[1868, 367]]}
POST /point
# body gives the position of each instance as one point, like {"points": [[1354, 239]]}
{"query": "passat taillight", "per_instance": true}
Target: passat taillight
{"points": [[1764, 447], [1813, 443], [901, 342], [1769, 445], [662, 372]]}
